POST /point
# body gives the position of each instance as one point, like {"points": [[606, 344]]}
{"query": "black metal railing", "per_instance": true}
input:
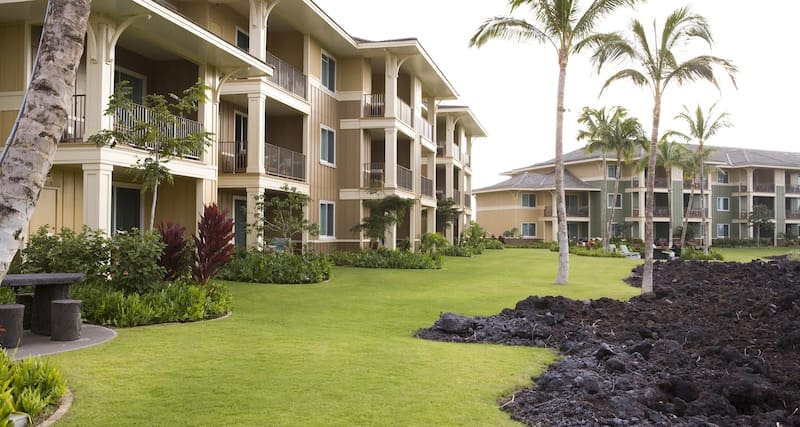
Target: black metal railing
{"points": [[76, 120], [374, 175], [284, 162], [286, 76], [232, 156], [405, 178], [131, 120], [426, 186]]}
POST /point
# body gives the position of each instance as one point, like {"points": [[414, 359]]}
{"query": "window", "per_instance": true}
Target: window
{"points": [[136, 82], [528, 200], [242, 39], [612, 172], [528, 229], [326, 219], [611, 203], [126, 208], [722, 177], [723, 204], [327, 145], [328, 74], [617, 230], [723, 231]]}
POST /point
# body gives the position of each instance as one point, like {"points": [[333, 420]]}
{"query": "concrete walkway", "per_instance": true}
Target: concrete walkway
{"points": [[40, 345]]}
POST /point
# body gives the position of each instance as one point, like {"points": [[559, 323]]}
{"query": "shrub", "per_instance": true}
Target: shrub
{"points": [[213, 243], [66, 252], [460, 251], [385, 258], [259, 267], [596, 252], [177, 256], [690, 253], [553, 246], [135, 261], [29, 385], [493, 244], [740, 243], [175, 302], [433, 242]]}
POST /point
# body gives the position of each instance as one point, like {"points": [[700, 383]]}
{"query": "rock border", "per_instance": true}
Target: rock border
{"points": [[66, 403]]}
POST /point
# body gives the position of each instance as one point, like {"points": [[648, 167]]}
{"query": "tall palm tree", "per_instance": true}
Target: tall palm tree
{"points": [[654, 65], [28, 155], [668, 154], [703, 126], [594, 120], [565, 26], [691, 168]]}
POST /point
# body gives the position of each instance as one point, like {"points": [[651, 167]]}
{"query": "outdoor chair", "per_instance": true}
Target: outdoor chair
{"points": [[623, 249]]}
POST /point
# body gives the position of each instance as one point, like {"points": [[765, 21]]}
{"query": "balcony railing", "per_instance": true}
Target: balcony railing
{"points": [[374, 175], [233, 156], [425, 129], [440, 151], [132, 119], [457, 152], [375, 106], [76, 119], [743, 215], [457, 196], [743, 188], [426, 186], [287, 76], [793, 189], [764, 188], [661, 211], [404, 112], [790, 214], [574, 211], [468, 200], [697, 213], [635, 184], [634, 212], [283, 162], [405, 178], [690, 185]]}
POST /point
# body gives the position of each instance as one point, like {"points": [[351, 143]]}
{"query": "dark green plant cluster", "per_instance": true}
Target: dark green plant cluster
{"points": [[178, 301], [135, 258], [66, 252], [739, 243], [385, 258], [260, 267], [459, 251], [689, 253], [433, 243], [383, 213], [29, 385], [595, 252], [493, 244], [553, 246]]}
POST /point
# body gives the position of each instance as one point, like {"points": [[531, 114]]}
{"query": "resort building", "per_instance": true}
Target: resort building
{"points": [[738, 180], [293, 100]]}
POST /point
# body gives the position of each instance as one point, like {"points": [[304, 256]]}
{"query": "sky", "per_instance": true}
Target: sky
{"points": [[511, 87]]}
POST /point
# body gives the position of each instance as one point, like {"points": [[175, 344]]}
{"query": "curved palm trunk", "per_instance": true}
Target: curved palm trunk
{"points": [[562, 277], [686, 215], [649, 202], [617, 176], [153, 206], [30, 155], [604, 196], [703, 231]]}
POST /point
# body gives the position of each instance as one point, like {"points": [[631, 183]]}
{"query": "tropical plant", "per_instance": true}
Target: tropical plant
{"points": [[511, 233], [668, 154], [593, 120], [654, 64], [566, 26], [433, 242], [28, 154], [447, 213], [154, 133], [135, 257], [283, 214], [176, 259], [383, 213], [760, 219], [691, 168], [703, 126], [213, 243]]}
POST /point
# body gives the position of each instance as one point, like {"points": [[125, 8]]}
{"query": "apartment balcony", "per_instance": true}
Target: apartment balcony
{"points": [[171, 127], [76, 120], [697, 213], [743, 215], [375, 176], [793, 215], [580, 211], [375, 106], [457, 196], [743, 188], [690, 185], [763, 188], [440, 151], [425, 129], [426, 186], [286, 76], [278, 161], [468, 200], [793, 189], [660, 182], [661, 212]]}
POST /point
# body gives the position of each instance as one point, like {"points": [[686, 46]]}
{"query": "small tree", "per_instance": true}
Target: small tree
{"points": [[283, 215], [447, 213], [760, 219], [154, 132], [213, 243], [383, 213], [474, 234]]}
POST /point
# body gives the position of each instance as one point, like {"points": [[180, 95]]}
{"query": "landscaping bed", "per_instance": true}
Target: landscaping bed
{"points": [[718, 343]]}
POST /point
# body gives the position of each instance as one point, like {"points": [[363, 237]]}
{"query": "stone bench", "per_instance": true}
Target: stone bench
{"points": [[11, 323], [65, 319]]}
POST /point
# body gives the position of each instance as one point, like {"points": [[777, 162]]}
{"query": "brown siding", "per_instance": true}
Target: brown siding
{"points": [[287, 46], [196, 11], [176, 203], [354, 74], [223, 21], [12, 67], [349, 161], [347, 217], [286, 132], [322, 178], [7, 119], [226, 113], [61, 203]]}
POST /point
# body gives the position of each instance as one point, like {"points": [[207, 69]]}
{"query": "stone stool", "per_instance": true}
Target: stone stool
{"points": [[65, 320], [26, 299], [11, 321]]}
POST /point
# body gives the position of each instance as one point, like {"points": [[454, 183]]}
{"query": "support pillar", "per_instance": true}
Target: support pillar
{"points": [[254, 240], [431, 220], [97, 182], [208, 114], [205, 193], [391, 71], [259, 14], [390, 238], [256, 132], [414, 225], [749, 207], [99, 75], [390, 162]]}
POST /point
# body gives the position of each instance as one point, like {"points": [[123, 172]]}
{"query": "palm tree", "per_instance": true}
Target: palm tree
{"points": [[26, 160], [562, 24], [594, 120], [668, 154], [702, 126], [654, 65], [691, 168]]}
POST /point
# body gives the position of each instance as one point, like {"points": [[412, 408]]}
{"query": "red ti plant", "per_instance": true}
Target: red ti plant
{"points": [[213, 243], [176, 258]]}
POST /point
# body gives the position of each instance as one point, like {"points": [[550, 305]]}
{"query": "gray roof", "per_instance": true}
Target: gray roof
{"points": [[537, 181], [727, 156]]}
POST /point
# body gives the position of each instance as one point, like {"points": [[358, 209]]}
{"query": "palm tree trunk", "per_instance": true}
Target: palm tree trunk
{"points": [[617, 176], [686, 215], [604, 196], [649, 202], [30, 154], [153, 207], [703, 231], [669, 200], [562, 277]]}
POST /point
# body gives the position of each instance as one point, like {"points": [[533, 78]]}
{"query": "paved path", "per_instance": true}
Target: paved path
{"points": [[33, 344]]}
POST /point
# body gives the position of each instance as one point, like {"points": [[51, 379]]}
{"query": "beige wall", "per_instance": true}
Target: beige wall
{"points": [[354, 74], [176, 203], [196, 11], [315, 60], [61, 201], [506, 211], [12, 66], [286, 132], [223, 21], [587, 170], [226, 114], [7, 119], [287, 46]]}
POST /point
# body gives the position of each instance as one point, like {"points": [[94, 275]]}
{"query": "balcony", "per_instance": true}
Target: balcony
{"points": [[426, 186], [790, 214], [743, 215], [690, 185], [661, 212], [743, 188], [176, 127], [468, 200], [286, 76], [375, 106], [457, 152], [278, 161], [425, 129], [573, 211], [763, 188], [76, 120], [375, 176], [440, 151], [793, 189], [457, 196], [697, 213]]}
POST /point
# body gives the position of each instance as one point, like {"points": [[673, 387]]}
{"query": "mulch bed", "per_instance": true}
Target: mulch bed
{"points": [[718, 344]]}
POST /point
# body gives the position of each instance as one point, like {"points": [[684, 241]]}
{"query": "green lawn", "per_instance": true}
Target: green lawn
{"points": [[338, 353], [749, 254]]}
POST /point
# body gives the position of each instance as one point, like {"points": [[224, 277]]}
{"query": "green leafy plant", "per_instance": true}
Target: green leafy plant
{"points": [[447, 213], [283, 215], [383, 213], [493, 244], [433, 242], [511, 233], [135, 260], [385, 258], [474, 236], [259, 267], [690, 253], [760, 219], [66, 252], [459, 251]]}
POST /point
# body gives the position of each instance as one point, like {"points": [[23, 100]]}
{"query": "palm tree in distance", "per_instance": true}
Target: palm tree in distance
{"points": [[593, 121], [668, 154], [703, 126], [654, 65], [565, 26]]}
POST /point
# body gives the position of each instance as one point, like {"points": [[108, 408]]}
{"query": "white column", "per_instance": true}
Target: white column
{"points": [[253, 238], [390, 162], [256, 132], [749, 171], [99, 76], [431, 220], [414, 223], [390, 77], [208, 114], [390, 238], [450, 127], [205, 193], [259, 14], [97, 195]]}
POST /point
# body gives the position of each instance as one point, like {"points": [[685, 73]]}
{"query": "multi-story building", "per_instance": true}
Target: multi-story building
{"points": [[738, 180], [293, 100]]}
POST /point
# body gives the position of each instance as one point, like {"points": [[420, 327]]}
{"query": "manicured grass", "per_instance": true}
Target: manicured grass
{"points": [[749, 254], [338, 353]]}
